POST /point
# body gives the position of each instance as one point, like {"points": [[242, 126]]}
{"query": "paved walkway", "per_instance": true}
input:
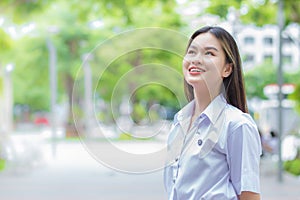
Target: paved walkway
{"points": [[272, 189], [289, 189], [73, 174]]}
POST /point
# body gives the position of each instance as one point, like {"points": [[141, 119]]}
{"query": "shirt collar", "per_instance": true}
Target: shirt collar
{"points": [[212, 111], [215, 108], [185, 112]]}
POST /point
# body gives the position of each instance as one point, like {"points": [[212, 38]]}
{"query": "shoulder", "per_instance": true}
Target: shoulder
{"points": [[242, 132], [235, 118]]}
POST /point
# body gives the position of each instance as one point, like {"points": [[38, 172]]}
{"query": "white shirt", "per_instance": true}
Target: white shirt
{"points": [[217, 158]]}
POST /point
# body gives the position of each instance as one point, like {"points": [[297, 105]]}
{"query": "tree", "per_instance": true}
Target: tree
{"points": [[256, 12], [296, 94], [257, 78], [147, 75], [260, 13], [5, 45], [19, 11], [73, 38], [130, 61]]}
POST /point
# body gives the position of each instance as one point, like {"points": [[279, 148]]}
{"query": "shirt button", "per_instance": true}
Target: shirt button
{"points": [[200, 142]]}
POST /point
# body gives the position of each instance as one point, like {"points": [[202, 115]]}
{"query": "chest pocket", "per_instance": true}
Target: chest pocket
{"points": [[199, 147], [207, 144]]}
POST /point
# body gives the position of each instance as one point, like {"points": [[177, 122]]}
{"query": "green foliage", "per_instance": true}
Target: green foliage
{"points": [[293, 166], [261, 14], [131, 67], [257, 78], [1, 87], [139, 112], [73, 36], [2, 164], [260, 76], [125, 136], [6, 42], [20, 10], [220, 7], [258, 12], [128, 136], [296, 94], [292, 11], [30, 76]]}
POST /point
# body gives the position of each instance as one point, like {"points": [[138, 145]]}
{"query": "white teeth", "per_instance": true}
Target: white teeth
{"points": [[196, 70]]}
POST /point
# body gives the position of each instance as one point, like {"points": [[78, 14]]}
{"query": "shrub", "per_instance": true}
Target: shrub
{"points": [[293, 166], [2, 164]]}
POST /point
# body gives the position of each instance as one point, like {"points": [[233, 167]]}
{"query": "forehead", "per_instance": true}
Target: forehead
{"points": [[206, 39]]}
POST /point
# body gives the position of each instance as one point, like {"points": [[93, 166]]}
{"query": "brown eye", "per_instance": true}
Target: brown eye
{"points": [[209, 53], [191, 52]]}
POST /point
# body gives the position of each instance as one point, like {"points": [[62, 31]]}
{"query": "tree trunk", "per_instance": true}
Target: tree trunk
{"points": [[70, 126]]}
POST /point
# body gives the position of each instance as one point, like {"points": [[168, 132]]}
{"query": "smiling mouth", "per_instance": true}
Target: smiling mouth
{"points": [[196, 70]]}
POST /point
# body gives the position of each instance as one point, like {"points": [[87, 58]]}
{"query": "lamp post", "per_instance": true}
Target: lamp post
{"points": [[280, 83], [8, 98], [53, 90], [88, 99]]}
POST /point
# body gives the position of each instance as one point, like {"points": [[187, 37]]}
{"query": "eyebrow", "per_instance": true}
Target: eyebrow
{"points": [[211, 48], [205, 48]]}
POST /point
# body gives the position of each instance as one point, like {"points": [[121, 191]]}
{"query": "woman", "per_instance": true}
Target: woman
{"points": [[214, 146]]}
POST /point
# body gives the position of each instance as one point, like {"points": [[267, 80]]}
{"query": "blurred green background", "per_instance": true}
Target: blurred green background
{"points": [[29, 29]]}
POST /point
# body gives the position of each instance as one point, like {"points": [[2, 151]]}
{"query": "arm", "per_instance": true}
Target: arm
{"points": [[243, 159], [249, 196]]}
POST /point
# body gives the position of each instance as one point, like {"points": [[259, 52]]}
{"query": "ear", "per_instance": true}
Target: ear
{"points": [[227, 70]]}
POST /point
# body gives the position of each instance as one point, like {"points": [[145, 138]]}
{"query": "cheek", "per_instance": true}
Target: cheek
{"points": [[185, 64], [217, 67]]}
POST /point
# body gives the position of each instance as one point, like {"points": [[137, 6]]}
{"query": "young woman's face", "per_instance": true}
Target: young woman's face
{"points": [[204, 62]]}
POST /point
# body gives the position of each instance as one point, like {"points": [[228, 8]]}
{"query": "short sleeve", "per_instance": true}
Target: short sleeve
{"points": [[244, 152]]}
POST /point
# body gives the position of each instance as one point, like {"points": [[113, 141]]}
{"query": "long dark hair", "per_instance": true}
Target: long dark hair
{"points": [[234, 83]]}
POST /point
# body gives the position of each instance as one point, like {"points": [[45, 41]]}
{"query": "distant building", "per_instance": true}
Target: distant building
{"points": [[260, 44]]}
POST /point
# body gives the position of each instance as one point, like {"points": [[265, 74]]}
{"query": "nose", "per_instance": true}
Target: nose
{"points": [[196, 60]]}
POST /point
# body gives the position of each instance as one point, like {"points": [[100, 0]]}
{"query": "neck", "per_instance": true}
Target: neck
{"points": [[203, 97]]}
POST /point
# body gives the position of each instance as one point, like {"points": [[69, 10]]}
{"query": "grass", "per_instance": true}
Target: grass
{"points": [[122, 137]]}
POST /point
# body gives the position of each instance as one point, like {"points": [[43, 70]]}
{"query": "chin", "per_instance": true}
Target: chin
{"points": [[195, 81]]}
